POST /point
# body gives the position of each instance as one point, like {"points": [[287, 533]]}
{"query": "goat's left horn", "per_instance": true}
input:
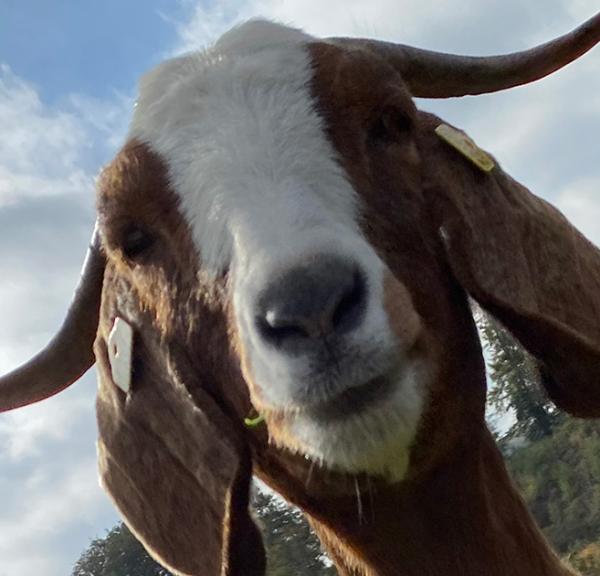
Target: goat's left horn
{"points": [[70, 353], [437, 75]]}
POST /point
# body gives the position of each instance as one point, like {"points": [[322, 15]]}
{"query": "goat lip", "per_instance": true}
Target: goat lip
{"points": [[354, 400]]}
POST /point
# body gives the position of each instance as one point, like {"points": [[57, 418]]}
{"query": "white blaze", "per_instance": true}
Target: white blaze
{"points": [[244, 144]]}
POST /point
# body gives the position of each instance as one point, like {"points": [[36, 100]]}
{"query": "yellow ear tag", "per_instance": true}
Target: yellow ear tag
{"points": [[461, 142]]}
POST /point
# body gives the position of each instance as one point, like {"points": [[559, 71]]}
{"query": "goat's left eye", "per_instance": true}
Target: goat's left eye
{"points": [[136, 242], [389, 126]]}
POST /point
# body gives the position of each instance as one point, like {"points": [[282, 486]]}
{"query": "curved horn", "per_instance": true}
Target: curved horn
{"points": [[70, 353], [437, 75]]}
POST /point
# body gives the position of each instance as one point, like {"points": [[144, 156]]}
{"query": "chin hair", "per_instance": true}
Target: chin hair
{"points": [[376, 441]]}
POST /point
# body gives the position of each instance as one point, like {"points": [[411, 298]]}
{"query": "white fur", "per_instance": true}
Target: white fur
{"points": [[262, 190], [377, 440]]}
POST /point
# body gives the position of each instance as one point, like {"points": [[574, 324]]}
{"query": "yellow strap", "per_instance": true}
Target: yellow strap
{"points": [[253, 422]]}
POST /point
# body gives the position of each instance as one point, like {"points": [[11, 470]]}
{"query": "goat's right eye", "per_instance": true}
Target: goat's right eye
{"points": [[390, 125], [136, 242]]}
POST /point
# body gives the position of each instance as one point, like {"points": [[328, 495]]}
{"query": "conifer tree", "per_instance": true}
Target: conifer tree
{"points": [[292, 547], [515, 384]]}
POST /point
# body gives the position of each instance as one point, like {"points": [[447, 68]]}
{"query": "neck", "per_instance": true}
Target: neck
{"points": [[465, 519]]}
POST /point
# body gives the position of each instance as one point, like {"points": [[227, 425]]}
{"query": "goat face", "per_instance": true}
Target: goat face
{"points": [[284, 231], [238, 199]]}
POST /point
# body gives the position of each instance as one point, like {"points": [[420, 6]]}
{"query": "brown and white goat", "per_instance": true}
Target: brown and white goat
{"points": [[285, 233]]}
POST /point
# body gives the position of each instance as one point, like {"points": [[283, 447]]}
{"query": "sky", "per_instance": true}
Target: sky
{"points": [[68, 73]]}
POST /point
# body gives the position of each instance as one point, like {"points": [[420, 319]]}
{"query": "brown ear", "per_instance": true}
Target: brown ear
{"points": [[525, 263], [179, 473]]}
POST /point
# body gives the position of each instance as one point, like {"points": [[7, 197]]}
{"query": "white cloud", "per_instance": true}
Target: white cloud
{"points": [[109, 119], [39, 150], [580, 203], [49, 156], [581, 9], [52, 503], [24, 433], [46, 151], [469, 25]]}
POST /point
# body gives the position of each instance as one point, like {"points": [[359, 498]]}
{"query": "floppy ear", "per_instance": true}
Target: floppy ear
{"points": [[525, 263], [179, 472]]}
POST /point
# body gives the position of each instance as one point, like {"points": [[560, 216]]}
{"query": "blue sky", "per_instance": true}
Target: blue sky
{"points": [[68, 73], [87, 47]]}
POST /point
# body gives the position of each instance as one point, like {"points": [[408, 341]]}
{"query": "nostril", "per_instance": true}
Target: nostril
{"points": [[275, 330], [322, 297], [351, 304]]}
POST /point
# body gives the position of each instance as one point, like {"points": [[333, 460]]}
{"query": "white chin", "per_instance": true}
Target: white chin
{"points": [[375, 441]]}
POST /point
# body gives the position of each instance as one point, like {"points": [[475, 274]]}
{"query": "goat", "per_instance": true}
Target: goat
{"points": [[284, 233]]}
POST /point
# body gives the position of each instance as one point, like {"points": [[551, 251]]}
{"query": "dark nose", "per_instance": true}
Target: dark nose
{"points": [[322, 297]]}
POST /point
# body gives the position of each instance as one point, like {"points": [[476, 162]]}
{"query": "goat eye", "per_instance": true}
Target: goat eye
{"points": [[136, 242], [389, 126]]}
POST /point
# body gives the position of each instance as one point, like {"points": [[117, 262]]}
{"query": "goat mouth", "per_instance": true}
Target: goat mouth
{"points": [[355, 399]]}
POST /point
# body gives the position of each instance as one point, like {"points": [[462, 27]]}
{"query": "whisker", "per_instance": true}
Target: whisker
{"points": [[310, 473], [371, 499], [358, 501]]}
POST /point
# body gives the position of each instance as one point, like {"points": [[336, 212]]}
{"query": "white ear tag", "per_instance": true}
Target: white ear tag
{"points": [[120, 346]]}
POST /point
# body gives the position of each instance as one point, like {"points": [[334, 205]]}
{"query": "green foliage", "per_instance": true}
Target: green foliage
{"points": [[587, 560], [559, 477], [117, 554], [557, 465], [515, 384], [292, 547]]}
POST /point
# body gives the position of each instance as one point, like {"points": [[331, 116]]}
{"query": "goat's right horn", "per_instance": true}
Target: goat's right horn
{"points": [[70, 353], [431, 74]]}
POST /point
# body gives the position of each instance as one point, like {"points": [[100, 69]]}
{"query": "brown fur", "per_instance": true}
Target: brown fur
{"points": [[157, 444], [175, 455]]}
